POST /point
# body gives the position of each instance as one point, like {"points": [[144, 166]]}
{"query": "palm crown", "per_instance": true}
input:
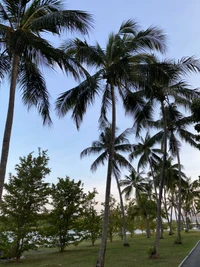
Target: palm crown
{"points": [[21, 28], [117, 65]]}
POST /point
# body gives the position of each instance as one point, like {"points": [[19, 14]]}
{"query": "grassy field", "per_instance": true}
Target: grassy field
{"points": [[136, 255]]}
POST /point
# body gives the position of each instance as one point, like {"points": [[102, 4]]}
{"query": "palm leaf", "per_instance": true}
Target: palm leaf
{"points": [[34, 91], [79, 98], [99, 161]]}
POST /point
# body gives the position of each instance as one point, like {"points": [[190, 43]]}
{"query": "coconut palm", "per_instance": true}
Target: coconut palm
{"points": [[190, 193], [177, 124], [149, 154], [117, 69], [171, 185], [134, 184], [162, 89], [101, 147], [145, 208], [177, 129], [22, 23]]}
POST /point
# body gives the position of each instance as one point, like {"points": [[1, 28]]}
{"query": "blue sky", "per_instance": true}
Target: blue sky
{"points": [[180, 21]]}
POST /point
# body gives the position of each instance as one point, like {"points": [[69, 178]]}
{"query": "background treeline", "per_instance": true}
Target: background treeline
{"points": [[35, 213]]}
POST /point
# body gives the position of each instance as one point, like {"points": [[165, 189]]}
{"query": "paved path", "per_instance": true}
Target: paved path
{"points": [[193, 259]]}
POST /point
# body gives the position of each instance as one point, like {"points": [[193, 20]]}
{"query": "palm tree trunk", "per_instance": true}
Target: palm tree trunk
{"points": [[126, 244], [9, 123], [154, 180], [162, 180], [184, 223], [171, 208], [166, 211], [178, 241], [147, 226], [161, 229], [176, 216], [101, 257]]}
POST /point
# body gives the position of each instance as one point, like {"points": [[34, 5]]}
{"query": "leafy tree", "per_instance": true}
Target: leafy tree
{"points": [[25, 198], [67, 200], [91, 220], [21, 41], [117, 68]]}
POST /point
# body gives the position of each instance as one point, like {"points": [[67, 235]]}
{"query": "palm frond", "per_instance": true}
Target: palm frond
{"points": [[79, 98], [129, 27], [46, 17], [91, 150], [5, 65], [34, 91], [187, 65], [99, 161]]}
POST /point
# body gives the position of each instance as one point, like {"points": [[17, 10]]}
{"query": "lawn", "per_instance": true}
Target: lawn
{"points": [[136, 255]]}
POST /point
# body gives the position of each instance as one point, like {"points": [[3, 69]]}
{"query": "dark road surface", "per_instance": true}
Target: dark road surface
{"points": [[193, 259]]}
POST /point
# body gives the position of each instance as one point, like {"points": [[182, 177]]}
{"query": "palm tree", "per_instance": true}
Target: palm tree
{"points": [[190, 193], [117, 71], [177, 124], [163, 87], [102, 147], [134, 183], [177, 127], [148, 154], [146, 208], [170, 189], [21, 27]]}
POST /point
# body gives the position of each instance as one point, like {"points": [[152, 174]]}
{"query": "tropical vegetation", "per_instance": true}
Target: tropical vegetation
{"points": [[156, 195]]}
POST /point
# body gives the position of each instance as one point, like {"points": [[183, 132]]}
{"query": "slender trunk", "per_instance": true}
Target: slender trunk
{"points": [[154, 179], [101, 257], [162, 180], [161, 229], [147, 226], [176, 216], [126, 244], [187, 223], [178, 241], [166, 211], [183, 219], [170, 226], [9, 123]]}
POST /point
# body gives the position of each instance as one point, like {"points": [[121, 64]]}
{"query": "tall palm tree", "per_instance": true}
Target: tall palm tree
{"points": [[171, 185], [136, 183], [146, 208], [169, 86], [116, 74], [190, 193], [101, 147], [177, 129], [177, 124], [22, 23], [149, 154]]}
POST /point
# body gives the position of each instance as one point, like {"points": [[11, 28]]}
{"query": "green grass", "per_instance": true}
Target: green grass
{"points": [[136, 255]]}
